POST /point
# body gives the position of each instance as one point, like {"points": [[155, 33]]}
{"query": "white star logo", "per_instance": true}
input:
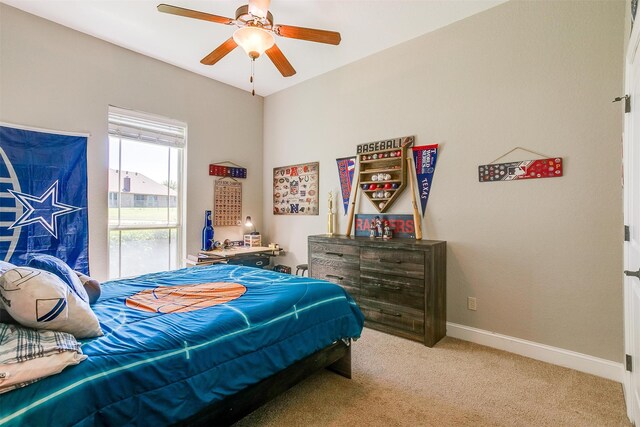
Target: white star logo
{"points": [[46, 215]]}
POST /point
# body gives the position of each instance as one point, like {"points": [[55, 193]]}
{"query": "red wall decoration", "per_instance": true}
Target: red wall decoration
{"points": [[230, 171], [526, 169]]}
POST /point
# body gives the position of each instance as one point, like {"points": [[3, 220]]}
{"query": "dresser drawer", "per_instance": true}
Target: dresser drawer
{"points": [[393, 261], [348, 278], [402, 291], [333, 255], [391, 318]]}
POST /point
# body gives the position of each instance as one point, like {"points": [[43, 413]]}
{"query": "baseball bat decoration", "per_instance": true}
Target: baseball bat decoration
{"points": [[416, 212], [352, 207]]}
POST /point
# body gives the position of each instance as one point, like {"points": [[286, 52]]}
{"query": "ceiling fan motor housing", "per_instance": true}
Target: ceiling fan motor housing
{"points": [[243, 17]]}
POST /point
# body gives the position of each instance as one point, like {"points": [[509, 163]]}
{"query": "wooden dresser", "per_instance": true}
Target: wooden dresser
{"points": [[399, 284]]}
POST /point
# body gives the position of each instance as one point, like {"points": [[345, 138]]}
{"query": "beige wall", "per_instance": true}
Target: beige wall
{"points": [[56, 78], [542, 257]]}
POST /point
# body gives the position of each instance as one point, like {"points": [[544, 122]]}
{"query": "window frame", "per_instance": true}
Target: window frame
{"points": [[116, 129]]}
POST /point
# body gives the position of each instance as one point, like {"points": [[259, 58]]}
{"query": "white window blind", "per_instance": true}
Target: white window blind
{"points": [[145, 127]]}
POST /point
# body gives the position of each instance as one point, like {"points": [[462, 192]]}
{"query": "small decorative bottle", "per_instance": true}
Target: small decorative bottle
{"points": [[207, 232]]}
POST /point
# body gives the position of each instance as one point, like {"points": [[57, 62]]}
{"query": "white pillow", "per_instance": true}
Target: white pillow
{"points": [[41, 300]]}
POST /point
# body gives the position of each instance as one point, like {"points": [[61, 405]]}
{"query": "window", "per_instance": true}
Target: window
{"points": [[146, 155]]}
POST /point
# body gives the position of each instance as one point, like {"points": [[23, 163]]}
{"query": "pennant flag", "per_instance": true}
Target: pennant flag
{"points": [[346, 168], [43, 189], [425, 161]]}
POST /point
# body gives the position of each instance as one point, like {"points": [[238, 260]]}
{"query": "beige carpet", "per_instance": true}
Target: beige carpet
{"points": [[397, 382]]}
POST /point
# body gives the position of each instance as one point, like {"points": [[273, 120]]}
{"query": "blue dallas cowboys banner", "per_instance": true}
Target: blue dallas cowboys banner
{"points": [[43, 196]]}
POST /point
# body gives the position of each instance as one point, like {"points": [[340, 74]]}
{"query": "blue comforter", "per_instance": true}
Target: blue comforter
{"points": [[169, 352]]}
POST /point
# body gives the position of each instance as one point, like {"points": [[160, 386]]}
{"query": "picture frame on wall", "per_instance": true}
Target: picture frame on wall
{"points": [[295, 189]]}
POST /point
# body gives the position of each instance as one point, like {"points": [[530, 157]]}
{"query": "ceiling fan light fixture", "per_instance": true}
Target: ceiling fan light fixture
{"points": [[254, 40]]}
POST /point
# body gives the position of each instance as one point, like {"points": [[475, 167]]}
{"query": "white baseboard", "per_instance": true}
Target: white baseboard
{"points": [[557, 356]]}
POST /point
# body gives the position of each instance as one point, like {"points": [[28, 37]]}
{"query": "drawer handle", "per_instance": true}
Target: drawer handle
{"points": [[390, 313], [333, 276], [334, 253], [390, 287], [391, 261]]}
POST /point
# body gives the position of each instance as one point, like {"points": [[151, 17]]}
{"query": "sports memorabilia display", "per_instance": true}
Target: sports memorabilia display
{"points": [[295, 189], [383, 171], [227, 203], [526, 169], [43, 177]]}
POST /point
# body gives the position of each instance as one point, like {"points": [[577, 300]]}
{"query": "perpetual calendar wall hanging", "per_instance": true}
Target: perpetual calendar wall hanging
{"points": [[227, 202], [43, 189]]}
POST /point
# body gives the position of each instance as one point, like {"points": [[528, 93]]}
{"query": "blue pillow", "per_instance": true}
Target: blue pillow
{"points": [[62, 270]]}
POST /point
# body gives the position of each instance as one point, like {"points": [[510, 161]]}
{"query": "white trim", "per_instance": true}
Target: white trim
{"points": [[546, 353], [35, 129], [630, 330]]}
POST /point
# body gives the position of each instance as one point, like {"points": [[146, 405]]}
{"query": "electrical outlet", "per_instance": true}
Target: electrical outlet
{"points": [[471, 303]]}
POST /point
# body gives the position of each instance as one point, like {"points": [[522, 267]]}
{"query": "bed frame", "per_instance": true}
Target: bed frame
{"points": [[336, 357]]}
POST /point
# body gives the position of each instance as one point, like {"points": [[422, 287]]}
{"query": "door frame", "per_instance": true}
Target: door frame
{"points": [[630, 334]]}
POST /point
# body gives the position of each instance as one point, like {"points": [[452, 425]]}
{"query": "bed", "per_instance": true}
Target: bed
{"points": [[197, 345]]}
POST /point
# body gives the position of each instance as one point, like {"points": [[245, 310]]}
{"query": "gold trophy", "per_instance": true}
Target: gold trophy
{"points": [[330, 215]]}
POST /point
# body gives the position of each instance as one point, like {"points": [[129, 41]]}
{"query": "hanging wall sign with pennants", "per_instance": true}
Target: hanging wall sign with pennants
{"points": [[549, 167], [234, 171]]}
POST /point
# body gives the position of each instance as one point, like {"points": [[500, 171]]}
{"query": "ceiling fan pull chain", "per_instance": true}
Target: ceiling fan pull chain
{"points": [[253, 85]]}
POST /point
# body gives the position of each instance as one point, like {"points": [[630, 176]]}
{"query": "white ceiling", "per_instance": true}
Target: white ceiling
{"points": [[366, 27]]}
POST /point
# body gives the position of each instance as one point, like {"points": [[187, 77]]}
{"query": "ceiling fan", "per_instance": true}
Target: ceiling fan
{"points": [[255, 33]]}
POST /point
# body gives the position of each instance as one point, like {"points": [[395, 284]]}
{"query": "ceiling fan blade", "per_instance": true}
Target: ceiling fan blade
{"points": [[280, 61], [259, 8], [309, 34], [175, 10], [219, 52]]}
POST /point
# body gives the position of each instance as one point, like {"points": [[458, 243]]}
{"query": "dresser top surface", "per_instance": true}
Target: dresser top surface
{"points": [[368, 241]]}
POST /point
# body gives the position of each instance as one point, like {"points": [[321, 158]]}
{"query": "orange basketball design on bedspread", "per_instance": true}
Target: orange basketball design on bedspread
{"points": [[181, 299]]}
